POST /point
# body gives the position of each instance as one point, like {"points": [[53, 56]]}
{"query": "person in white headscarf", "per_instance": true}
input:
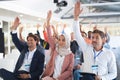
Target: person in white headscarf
{"points": [[60, 66], [65, 49]]}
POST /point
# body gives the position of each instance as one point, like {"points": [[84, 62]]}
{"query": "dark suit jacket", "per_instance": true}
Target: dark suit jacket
{"points": [[37, 63], [74, 46]]}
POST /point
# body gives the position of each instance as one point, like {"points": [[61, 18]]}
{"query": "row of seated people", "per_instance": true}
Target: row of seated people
{"points": [[30, 65]]}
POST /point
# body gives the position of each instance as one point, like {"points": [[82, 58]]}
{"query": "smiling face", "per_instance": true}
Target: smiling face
{"points": [[61, 41], [32, 41]]}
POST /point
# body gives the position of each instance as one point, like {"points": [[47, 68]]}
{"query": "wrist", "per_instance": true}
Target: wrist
{"points": [[75, 18], [13, 28]]}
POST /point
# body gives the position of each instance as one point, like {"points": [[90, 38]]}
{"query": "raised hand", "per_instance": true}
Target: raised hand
{"points": [[49, 15], [15, 24], [77, 10], [38, 26]]}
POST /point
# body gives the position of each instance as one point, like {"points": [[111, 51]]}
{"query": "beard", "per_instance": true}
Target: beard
{"points": [[94, 43]]}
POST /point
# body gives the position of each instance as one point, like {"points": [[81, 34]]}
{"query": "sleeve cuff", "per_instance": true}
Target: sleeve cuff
{"points": [[76, 21], [14, 31]]}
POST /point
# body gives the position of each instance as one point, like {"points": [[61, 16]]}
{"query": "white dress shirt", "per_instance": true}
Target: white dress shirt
{"points": [[27, 60], [105, 60], [58, 65]]}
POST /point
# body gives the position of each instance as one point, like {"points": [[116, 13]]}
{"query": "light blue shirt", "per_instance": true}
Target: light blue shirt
{"points": [[27, 60]]}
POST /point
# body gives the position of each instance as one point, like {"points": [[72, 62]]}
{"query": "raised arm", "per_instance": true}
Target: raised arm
{"points": [[55, 33], [20, 34], [45, 32], [38, 33], [51, 40], [81, 42], [16, 41]]}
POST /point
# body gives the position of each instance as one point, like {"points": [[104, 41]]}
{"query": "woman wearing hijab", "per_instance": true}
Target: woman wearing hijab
{"points": [[60, 66]]}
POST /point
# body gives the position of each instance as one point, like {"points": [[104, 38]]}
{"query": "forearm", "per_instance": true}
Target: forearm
{"points": [[21, 38], [17, 42], [50, 38], [81, 42]]}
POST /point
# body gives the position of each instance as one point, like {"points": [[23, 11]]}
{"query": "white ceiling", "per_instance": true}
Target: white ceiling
{"points": [[31, 9], [34, 9]]}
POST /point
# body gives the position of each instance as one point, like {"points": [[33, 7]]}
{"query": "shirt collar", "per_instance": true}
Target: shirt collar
{"points": [[33, 50]]}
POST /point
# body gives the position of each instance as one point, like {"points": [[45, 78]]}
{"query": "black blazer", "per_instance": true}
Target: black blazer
{"points": [[37, 63], [74, 46]]}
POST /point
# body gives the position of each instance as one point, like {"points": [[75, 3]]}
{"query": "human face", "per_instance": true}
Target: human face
{"points": [[61, 41], [97, 41], [31, 42]]}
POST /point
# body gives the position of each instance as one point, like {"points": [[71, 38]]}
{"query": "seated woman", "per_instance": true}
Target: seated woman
{"points": [[60, 66]]}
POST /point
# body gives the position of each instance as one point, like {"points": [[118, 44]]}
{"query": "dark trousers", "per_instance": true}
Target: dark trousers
{"points": [[7, 75], [87, 77]]}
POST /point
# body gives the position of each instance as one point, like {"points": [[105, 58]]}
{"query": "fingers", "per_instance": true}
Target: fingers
{"points": [[16, 21], [77, 10], [15, 24], [49, 15], [77, 5]]}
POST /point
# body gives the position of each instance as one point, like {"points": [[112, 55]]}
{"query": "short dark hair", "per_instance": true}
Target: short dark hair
{"points": [[30, 33], [34, 37], [101, 33]]}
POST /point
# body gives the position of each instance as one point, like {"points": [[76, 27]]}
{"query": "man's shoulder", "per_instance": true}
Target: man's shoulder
{"points": [[108, 52], [40, 52]]}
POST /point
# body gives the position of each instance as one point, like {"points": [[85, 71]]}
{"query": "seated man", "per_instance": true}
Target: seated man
{"points": [[97, 59], [31, 61]]}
